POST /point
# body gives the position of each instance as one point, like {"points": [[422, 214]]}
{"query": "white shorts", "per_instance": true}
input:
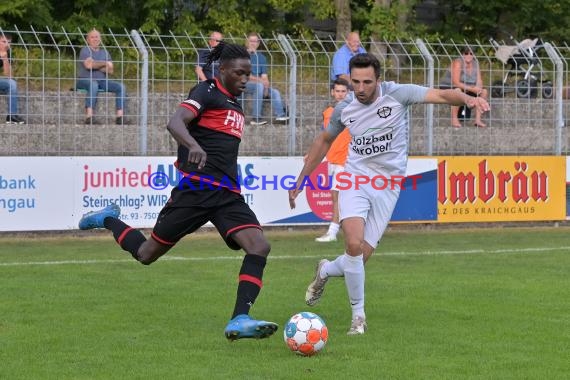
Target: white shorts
{"points": [[334, 170], [373, 205]]}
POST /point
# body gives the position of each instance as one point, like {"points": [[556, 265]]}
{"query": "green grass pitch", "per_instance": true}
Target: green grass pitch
{"points": [[441, 304]]}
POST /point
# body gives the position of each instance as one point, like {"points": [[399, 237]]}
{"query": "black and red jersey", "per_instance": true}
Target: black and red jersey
{"points": [[217, 128]]}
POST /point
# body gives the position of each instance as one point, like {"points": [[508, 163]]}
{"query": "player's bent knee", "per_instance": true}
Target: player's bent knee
{"points": [[252, 241], [151, 251], [147, 261], [261, 248], [354, 248], [266, 248], [145, 258]]}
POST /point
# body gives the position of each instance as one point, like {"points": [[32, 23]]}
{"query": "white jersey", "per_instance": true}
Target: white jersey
{"points": [[379, 130], [379, 147]]}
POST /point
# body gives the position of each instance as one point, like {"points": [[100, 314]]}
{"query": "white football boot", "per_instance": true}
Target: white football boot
{"points": [[358, 326], [317, 286]]}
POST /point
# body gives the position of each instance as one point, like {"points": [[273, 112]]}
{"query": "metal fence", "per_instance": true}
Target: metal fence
{"points": [[527, 99]]}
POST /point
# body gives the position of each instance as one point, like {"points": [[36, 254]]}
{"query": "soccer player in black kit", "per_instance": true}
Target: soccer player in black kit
{"points": [[207, 126]]}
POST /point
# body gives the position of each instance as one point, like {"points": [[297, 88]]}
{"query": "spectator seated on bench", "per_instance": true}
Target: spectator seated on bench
{"points": [[95, 65], [258, 87], [8, 86], [464, 75]]}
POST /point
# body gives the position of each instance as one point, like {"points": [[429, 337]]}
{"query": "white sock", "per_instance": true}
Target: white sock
{"points": [[354, 280], [333, 229], [334, 268]]}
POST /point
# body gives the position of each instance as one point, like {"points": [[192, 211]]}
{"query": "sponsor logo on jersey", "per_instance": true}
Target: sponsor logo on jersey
{"points": [[372, 144], [384, 112], [236, 121]]}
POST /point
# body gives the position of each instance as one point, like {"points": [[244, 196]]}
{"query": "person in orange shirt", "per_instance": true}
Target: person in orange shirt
{"points": [[336, 157]]}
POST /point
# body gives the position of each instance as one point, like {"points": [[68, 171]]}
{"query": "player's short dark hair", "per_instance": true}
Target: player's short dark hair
{"points": [[225, 52], [364, 60]]}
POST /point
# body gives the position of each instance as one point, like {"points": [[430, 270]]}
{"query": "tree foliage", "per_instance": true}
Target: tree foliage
{"points": [[548, 19], [24, 13], [463, 19]]}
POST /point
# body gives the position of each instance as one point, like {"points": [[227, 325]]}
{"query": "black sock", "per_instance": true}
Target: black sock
{"points": [[249, 283], [128, 238]]}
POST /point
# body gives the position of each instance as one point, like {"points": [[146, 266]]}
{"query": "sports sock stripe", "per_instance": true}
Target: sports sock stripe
{"points": [[249, 278], [123, 235]]}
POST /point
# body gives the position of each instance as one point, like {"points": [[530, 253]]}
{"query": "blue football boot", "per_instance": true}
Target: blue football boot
{"points": [[94, 219], [243, 326]]}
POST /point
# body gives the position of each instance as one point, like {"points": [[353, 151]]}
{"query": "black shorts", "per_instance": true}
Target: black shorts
{"points": [[187, 210]]}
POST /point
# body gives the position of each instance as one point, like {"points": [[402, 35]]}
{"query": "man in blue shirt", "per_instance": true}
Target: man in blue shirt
{"points": [[208, 72], [95, 66], [343, 56], [258, 86]]}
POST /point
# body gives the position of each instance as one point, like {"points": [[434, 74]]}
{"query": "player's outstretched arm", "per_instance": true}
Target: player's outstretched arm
{"points": [[455, 98], [317, 152]]}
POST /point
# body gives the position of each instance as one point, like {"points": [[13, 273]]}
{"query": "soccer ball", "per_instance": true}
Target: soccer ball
{"points": [[306, 333]]}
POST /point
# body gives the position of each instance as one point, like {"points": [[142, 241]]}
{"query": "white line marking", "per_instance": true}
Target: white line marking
{"points": [[289, 257]]}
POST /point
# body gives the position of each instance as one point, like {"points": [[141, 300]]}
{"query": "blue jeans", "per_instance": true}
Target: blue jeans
{"points": [[254, 90], [8, 86], [93, 86]]}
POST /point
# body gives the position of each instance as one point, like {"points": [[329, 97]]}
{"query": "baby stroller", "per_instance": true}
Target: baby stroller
{"points": [[520, 60]]}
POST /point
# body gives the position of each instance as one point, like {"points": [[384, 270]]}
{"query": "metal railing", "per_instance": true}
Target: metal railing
{"points": [[158, 71]]}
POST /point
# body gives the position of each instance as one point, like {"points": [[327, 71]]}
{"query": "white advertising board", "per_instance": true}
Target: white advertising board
{"points": [[52, 193]]}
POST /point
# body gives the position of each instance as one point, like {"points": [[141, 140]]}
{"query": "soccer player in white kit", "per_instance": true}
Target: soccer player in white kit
{"points": [[376, 114]]}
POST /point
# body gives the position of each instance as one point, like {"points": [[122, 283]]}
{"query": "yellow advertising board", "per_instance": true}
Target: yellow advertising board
{"points": [[508, 188]]}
